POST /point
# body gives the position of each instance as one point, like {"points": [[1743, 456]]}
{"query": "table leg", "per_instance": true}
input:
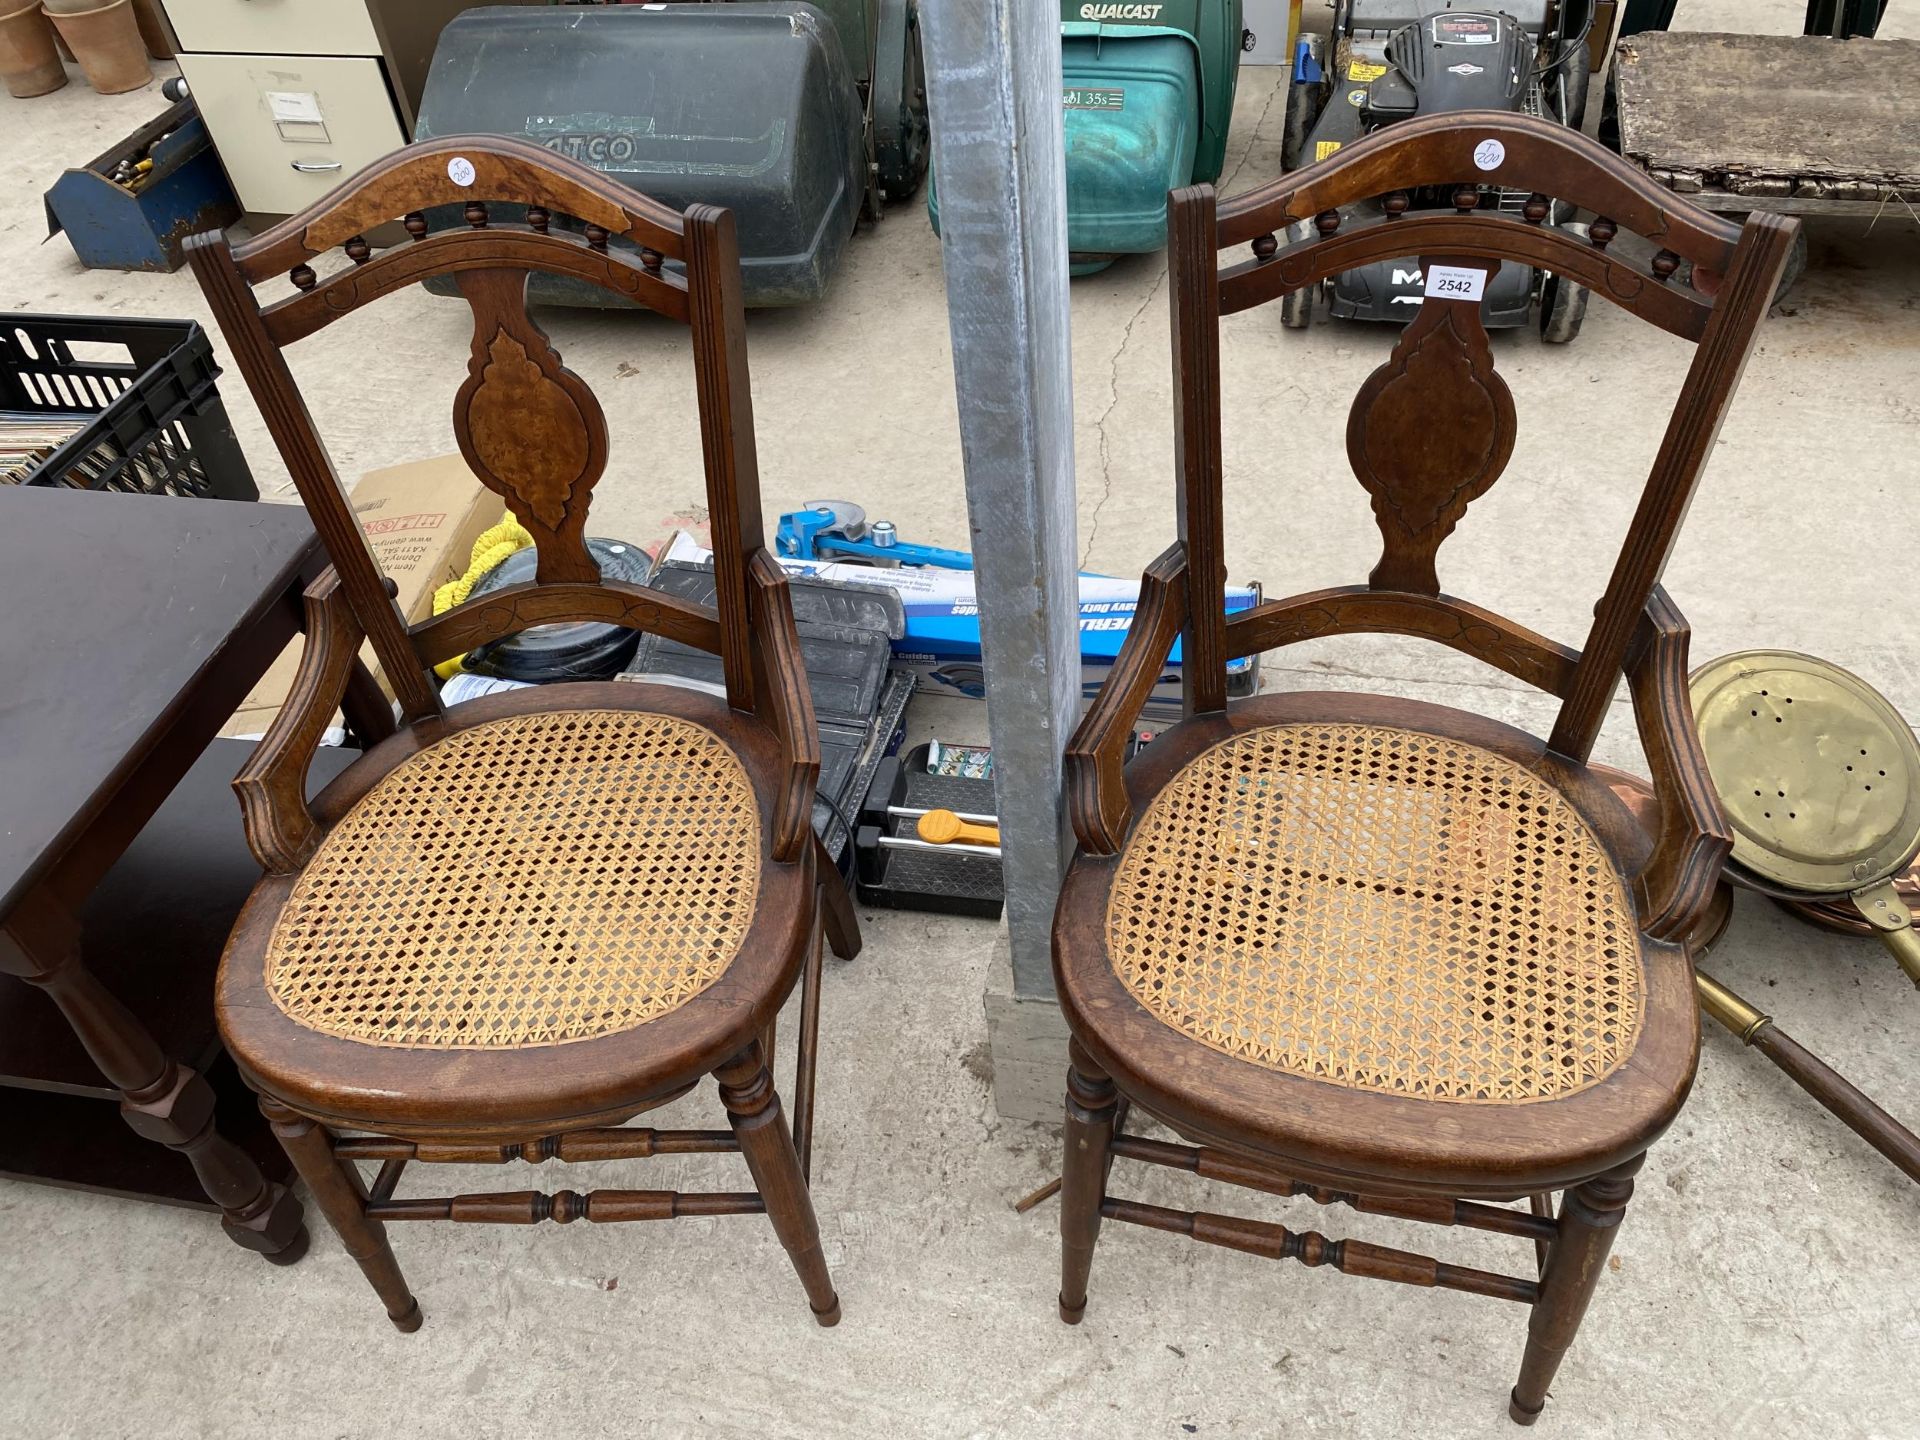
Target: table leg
{"points": [[169, 1103]]}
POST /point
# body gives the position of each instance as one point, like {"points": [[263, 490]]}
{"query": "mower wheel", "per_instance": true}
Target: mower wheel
{"points": [[1790, 273], [1563, 305], [1578, 76], [1303, 108], [1304, 102], [1795, 267], [902, 137]]}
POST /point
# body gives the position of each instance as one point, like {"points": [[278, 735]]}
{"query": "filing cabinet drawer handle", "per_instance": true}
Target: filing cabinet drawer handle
{"points": [[314, 167]]}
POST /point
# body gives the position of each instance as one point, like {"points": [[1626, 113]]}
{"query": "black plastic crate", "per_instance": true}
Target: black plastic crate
{"points": [[154, 421]]}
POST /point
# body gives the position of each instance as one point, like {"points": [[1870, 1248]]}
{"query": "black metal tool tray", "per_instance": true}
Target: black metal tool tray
{"points": [[951, 883]]}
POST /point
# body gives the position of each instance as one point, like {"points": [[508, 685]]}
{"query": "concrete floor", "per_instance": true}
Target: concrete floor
{"points": [[1766, 1280]]}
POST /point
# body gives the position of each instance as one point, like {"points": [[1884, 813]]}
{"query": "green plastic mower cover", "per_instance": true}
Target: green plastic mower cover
{"points": [[1148, 93]]}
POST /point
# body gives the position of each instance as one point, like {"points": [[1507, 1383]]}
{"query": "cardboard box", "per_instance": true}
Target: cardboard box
{"points": [[421, 520]]}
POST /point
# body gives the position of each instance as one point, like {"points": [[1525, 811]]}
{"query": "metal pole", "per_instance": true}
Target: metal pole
{"points": [[999, 159]]}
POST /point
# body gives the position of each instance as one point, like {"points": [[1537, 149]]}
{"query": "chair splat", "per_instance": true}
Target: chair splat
{"points": [[1429, 433], [529, 427]]}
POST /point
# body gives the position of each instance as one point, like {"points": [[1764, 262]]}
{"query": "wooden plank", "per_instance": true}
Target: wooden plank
{"points": [[1725, 202], [1773, 115]]}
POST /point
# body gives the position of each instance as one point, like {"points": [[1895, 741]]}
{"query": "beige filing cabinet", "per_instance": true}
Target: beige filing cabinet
{"points": [[299, 94]]}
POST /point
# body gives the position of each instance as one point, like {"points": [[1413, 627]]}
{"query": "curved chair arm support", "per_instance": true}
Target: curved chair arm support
{"points": [[1096, 789], [272, 785], [784, 703], [1693, 839]]}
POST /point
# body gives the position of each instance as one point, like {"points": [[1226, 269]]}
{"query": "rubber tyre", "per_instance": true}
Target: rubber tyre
{"points": [[1563, 306], [1303, 108], [902, 137], [1579, 68], [1790, 273], [1795, 267]]}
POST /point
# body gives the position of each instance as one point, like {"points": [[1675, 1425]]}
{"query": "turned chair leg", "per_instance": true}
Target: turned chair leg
{"points": [[753, 1107], [342, 1198], [1091, 1102], [1589, 1216]]}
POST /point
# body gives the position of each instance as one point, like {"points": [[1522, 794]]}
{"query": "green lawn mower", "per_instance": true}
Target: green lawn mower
{"points": [[1148, 92], [1390, 60]]}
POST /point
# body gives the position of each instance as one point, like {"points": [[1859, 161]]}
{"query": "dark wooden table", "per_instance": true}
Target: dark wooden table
{"points": [[131, 627]]}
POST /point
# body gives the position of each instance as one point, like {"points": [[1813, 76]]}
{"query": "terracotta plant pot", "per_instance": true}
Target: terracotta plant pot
{"points": [[155, 33], [106, 40], [29, 63]]}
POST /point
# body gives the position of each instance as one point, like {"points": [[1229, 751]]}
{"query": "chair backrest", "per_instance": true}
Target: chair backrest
{"points": [[1433, 427], [530, 429]]}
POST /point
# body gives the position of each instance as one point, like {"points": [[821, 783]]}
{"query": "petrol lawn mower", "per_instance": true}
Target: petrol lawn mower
{"points": [[1392, 60]]}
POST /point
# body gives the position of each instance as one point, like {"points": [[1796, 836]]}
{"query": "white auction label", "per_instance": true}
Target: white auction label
{"points": [[1488, 154], [1455, 282], [298, 107], [460, 170]]}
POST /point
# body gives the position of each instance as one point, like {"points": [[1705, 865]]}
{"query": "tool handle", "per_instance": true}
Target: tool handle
{"points": [[943, 827], [1892, 921], [969, 852]]}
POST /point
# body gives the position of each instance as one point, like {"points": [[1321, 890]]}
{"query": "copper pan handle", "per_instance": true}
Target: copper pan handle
{"points": [[1905, 945], [1893, 923], [1851, 1106]]}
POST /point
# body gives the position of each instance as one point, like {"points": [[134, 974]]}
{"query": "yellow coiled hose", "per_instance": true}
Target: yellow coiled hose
{"points": [[489, 550]]}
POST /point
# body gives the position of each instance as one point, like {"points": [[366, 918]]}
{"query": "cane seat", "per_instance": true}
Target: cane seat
{"points": [[560, 903], [1383, 910], [536, 880], [1376, 936]]}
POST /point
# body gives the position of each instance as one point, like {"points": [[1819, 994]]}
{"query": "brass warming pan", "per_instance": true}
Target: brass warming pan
{"points": [[1820, 778]]}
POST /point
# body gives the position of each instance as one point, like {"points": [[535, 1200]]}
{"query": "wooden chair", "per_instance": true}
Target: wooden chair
{"points": [[518, 923], [1375, 951]]}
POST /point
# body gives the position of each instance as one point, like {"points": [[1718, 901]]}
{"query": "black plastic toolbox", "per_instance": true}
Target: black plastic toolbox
{"points": [[859, 699]]}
